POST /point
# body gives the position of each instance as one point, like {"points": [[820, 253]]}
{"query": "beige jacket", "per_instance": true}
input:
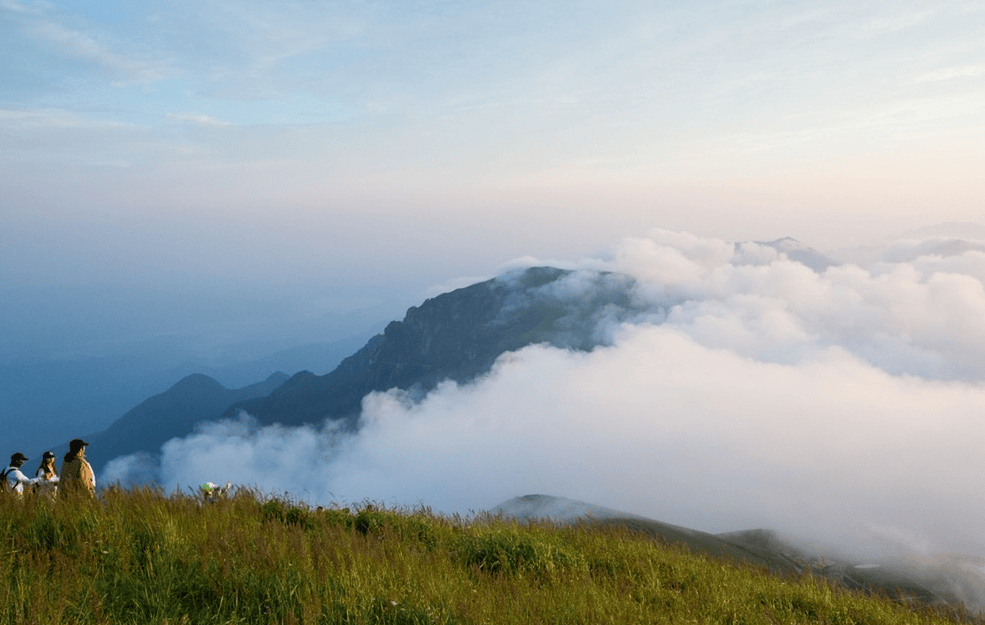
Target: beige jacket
{"points": [[77, 474]]}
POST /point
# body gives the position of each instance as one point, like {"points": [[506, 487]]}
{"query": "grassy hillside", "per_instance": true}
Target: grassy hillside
{"points": [[141, 557]]}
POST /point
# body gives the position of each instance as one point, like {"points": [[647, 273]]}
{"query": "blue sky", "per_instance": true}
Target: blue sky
{"points": [[384, 147]]}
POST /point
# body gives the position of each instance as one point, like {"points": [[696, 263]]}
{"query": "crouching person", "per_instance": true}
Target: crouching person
{"points": [[212, 492], [14, 479], [77, 475]]}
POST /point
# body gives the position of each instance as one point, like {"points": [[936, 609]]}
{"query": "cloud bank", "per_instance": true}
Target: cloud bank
{"points": [[845, 406]]}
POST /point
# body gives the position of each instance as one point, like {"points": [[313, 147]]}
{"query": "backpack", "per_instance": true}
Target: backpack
{"points": [[4, 484]]}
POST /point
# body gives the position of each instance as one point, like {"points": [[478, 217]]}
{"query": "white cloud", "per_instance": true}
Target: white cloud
{"points": [[656, 425], [952, 72], [844, 406]]}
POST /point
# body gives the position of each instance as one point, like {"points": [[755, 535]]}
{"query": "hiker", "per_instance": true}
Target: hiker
{"points": [[14, 479], [77, 473], [47, 475], [212, 492]]}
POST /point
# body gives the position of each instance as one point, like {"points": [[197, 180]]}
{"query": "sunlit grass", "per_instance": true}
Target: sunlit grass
{"points": [[142, 557]]}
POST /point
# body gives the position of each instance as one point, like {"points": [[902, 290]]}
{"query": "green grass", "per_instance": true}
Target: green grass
{"points": [[142, 557]]}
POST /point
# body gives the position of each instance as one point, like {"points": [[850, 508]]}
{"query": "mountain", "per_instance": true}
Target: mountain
{"points": [[942, 583], [173, 413], [93, 391], [801, 253], [455, 336], [942, 240]]}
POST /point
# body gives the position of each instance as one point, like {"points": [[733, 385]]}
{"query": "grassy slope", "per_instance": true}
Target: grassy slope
{"points": [[141, 557]]}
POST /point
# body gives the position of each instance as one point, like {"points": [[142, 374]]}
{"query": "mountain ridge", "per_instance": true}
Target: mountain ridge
{"points": [[454, 336], [147, 426], [929, 584]]}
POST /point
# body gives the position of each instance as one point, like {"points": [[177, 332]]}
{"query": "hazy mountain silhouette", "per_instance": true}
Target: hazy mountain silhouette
{"points": [[171, 414], [93, 391], [803, 254], [454, 336]]}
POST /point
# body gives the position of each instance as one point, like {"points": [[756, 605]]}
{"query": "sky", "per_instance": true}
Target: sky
{"points": [[362, 145], [218, 171]]}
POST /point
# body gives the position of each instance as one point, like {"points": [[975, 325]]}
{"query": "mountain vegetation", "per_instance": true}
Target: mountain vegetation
{"points": [[454, 336], [945, 582], [141, 557]]}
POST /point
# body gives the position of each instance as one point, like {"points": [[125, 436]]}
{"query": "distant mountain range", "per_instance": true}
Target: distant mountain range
{"points": [[45, 401], [454, 336], [175, 412]]}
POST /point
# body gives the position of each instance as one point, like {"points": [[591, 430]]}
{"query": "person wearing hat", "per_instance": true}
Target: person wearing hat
{"points": [[47, 475], [14, 478], [77, 473]]}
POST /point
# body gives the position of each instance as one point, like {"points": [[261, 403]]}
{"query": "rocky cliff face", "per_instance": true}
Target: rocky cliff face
{"points": [[455, 336]]}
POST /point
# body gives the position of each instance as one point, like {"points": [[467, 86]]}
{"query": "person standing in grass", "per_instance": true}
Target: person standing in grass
{"points": [[47, 475], [14, 478], [77, 473]]}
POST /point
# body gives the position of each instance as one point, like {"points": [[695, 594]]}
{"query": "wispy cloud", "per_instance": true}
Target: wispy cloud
{"points": [[952, 72], [56, 118], [35, 7], [895, 122], [84, 46], [198, 119]]}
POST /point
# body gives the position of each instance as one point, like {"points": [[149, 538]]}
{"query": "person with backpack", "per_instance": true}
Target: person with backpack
{"points": [[14, 479], [47, 475], [77, 475]]}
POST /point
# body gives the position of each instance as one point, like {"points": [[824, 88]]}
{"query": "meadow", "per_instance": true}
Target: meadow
{"points": [[145, 557]]}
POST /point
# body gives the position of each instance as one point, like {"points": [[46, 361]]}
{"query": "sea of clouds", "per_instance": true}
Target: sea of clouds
{"points": [[845, 405]]}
